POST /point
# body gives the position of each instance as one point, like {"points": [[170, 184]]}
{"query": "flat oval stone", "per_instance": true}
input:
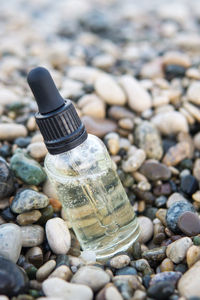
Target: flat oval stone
{"points": [[6, 179], [98, 127], [29, 217], [155, 171], [12, 280], [27, 199], [10, 241], [32, 235], [189, 223], [161, 291], [120, 261], [170, 276]]}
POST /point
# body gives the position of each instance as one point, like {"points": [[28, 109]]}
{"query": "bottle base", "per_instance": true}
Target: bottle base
{"points": [[123, 245]]}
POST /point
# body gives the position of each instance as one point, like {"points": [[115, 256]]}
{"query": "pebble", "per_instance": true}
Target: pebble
{"points": [[32, 235], [7, 97], [196, 169], [27, 200], [13, 280], [44, 271], [193, 93], [196, 196], [176, 58], [171, 122], [84, 74], [197, 141], [166, 265], [35, 256], [126, 271], [161, 290], [56, 287], [176, 154], [155, 170], [188, 285], [58, 236], [112, 142], [6, 179], [11, 131], [10, 241], [118, 112], [98, 127], [88, 255], [120, 261], [92, 276], [134, 162], [169, 276], [106, 87], [177, 250], [193, 255], [175, 197], [109, 292], [148, 138], [49, 190], [27, 169], [37, 150], [174, 71], [189, 223], [91, 105], [189, 184], [62, 272], [146, 229], [138, 98], [155, 255], [28, 218], [175, 211]]}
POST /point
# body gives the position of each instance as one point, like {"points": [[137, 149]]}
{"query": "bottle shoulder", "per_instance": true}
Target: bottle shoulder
{"points": [[89, 157]]}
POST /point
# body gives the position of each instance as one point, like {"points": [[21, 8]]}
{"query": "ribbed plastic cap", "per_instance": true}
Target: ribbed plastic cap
{"points": [[57, 118]]}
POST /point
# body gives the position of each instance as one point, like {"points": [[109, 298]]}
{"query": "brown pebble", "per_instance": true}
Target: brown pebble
{"points": [[98, 127], [193, 255], [189, 223], [166, 265], [55, 204]]}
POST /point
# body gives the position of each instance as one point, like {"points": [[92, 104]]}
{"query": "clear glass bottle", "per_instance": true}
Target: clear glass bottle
{"points": [[83, 174]]}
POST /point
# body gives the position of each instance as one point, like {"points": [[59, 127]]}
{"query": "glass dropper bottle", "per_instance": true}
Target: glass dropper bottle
{"points": [[83, 174]]}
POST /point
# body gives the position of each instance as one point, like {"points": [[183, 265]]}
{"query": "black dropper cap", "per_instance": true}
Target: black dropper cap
{"points": [[57, 118]]}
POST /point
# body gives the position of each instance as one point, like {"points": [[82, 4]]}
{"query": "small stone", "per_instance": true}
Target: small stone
{"points": [[189, 184], [155, 255], [10, 241], [193, 93], [166, 265], [109, 90], [196, 169], [49, 190], [11, 131], [88, 255], [177, 250], [175, 197], [155, 171], [28, 218], [176, 154], [169, 276], [120, 261], [91, 105], [27, 169], [126, 123], [136, 250], [92, 276], [83, 73], [13, 280], [6, 179], [170, 122], [35, 256], [161, 215], [44, 271], [139, 295], [37, 150], [175, 211], [47, 213], [147, 138], [109, 292], [56, 287], [193, 255], [119, 112], [98, 127], [196, 196], [197, 141], [62, 272], [127, 284], [188, 285], [174, 71], [7, 96], [177, 58], [126, 271], [189, 223], [112, 142], [58, 236], [196, 240], [32, 235], [62, 259], [27, 200], [138, 98], [56, 204], [161, 290], [134, 161], [146, 229]]}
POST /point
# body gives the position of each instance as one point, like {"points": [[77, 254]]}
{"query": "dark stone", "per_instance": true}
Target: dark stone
{"points": [[96, 21], [150, 212], [47, 213], [136, 250], [5, 150], [167, 143], [147, 196], [62, 259], [189, 184], [155, 254], [196, 240], [126, 271], [160, 201], [163, 189], [175, 211], [181, 268], [174, 71], [189, 223], [7, 214], [22, 142], [12, 279], [186, 164], [155, 171], [161, 290], [6, 179], [169, 276], [146, 280]]}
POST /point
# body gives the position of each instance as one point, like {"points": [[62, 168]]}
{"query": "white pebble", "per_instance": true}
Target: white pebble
{"points": [[11, 131]]}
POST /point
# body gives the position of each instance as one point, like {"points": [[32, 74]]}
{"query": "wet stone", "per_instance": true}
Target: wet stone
{"points": [[13, 280], [189, 223], [155, 171], [175, 211], [161, 291], [27, 169], [189, 184], [6, 179], [27, 199]]}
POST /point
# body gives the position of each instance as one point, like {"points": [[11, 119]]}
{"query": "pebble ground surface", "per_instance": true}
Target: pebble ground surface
{"points": [[132, 69]]}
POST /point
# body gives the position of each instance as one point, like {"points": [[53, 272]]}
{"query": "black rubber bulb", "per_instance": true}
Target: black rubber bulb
{"points": [[43, 87]]}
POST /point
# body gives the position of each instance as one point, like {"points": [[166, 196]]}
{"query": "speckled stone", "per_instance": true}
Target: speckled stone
{"points": [[27, 199], [32, 235], [6, 179], [169, 276], [177, 250], [120, 261]]}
